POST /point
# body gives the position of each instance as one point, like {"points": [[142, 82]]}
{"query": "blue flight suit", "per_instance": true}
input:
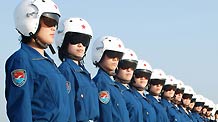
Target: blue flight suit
{"points": [[160, 111], [166, 104], [112, 106], [35, 88], [197, 117], [84, 93], [149, 114], [185, 116], [191, 116], [133, 105], [174, 114]]}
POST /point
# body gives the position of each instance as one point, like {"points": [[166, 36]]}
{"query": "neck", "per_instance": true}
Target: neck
{"points": [[167, 98], [77, 62], [110, 73], [124, 82], [156, 97], [141, 92], [126, 85], [36, 47]]}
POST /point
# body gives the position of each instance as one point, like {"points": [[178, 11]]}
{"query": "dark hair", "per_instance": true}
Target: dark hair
{"points": [[25, 39], [216, 112], [63, 50]]}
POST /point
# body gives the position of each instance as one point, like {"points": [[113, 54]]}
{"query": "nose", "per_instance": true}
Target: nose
{"points": [[116, 59], [54, 28], [144, 78], [129, 69], [80, 44]]}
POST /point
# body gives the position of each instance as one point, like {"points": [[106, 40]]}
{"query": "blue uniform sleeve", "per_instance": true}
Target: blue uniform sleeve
{"points": [[18, 92], [70, 78], [106, 112]]}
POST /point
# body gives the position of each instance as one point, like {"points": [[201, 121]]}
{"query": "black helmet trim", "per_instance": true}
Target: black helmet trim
{"points": [[125, 64], [52, 16]]}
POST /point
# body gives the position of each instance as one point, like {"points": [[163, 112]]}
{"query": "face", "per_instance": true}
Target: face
{"points": [[198, 109], [46, 31], [125, 74], [169, 93], [186, 102], [178, 97], [216, 116], [191, 105], [140, 82], [77, 50], [156, 89], [109, 64], [208, 113], [204, 110]]}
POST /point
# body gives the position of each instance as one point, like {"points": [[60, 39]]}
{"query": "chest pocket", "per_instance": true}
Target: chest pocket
{"points": [[86, 100]]}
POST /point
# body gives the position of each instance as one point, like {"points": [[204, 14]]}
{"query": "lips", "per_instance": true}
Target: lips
{"points": [[80, 50], [52, 35]]}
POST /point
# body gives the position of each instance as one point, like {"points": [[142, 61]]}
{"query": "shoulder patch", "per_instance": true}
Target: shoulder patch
{"points": [[19, 77], [104, 97], [68, 86]]}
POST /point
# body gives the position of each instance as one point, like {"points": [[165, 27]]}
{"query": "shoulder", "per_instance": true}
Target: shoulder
{"points": [[18, 58], [63, 65]]}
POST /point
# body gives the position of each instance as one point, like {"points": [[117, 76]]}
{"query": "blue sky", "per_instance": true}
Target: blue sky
{"points": [[177, 36]]}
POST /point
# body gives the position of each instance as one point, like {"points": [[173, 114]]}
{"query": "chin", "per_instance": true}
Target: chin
{"points": [[49, 42]]}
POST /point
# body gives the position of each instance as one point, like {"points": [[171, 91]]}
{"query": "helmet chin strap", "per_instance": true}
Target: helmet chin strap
{"points": [[52, 49], [42, 45], [123, 81], [75, 57], [139, 88]]}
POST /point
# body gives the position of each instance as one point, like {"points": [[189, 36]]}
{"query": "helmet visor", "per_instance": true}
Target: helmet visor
{"points": [[169, 88], [199, 104], [76, 38], [187, 96], [113, 54], [142, 73], [49, 22], [53, 16], [179, 91], [157, 82], [126, 64]]}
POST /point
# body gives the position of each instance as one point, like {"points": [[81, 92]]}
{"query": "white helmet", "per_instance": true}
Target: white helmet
{"points": [[211, 104], [189, 90], [158, 74], [206, 100], [106, 43], [200, 99], [129, 55], [27, 14], [216, 106], [179, 84], [170, 80], [128, 60], [78, 25], [144, 65], [143, 69]]}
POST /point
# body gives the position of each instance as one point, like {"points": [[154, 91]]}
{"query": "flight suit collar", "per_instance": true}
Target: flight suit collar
{"points": [[76, 68], [34, 55]]}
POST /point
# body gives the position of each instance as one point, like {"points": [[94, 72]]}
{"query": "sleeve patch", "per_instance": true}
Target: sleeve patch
{"points": [[19, 77], [68, 86], [104, 97]]}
